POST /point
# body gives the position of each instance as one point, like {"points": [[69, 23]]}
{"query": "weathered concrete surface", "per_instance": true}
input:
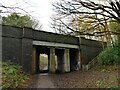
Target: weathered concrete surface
{"points": [[66, 60], [52, 60], [41, 81]]}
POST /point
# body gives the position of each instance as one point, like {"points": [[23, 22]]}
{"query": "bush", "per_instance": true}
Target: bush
{"points": [[109, 56], [13, 76]]}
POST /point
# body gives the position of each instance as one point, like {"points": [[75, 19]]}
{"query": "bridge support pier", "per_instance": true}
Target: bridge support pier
{"points": [[79, 60], [52, 60], [66, 61]]}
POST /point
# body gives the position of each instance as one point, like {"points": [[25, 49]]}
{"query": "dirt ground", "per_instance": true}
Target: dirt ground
{"points": [[97, 77]]}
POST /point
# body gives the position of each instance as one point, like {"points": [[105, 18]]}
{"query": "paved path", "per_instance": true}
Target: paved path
{"points": [[41, 81]]}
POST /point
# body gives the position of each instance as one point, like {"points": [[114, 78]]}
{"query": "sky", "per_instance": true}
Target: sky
{"points": [[41, 10]]}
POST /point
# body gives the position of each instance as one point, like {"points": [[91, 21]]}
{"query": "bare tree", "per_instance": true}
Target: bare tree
{"points": [[104, 10], [108, 8], [58, 25]]}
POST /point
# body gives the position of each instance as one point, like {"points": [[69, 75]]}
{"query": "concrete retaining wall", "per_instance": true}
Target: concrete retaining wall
{"points": [[89, 49]]}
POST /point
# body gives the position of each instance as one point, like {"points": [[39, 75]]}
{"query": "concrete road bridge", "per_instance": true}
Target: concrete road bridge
{"points": [[25, 45]]}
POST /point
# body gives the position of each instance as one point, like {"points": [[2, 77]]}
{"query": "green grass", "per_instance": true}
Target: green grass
{"points": [[13, 76]]}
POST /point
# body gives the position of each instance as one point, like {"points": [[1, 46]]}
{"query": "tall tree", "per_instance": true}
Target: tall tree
{"points": [[21, 21], [100, 12], [107, 8]]}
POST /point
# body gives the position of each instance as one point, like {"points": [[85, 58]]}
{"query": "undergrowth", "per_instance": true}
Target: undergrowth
{"points": [[13, 76], [110, 56]]}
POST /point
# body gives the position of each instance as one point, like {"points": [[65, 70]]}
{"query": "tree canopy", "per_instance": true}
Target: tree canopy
{"points": [[89, 17], [20, 21]]}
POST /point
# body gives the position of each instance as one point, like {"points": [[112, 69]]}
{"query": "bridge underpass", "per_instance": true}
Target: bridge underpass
{"points": [[60, 57], [64, 53]]}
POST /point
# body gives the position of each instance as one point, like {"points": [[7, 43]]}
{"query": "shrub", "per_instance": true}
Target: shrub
{"points": [[109, 56], [13, 76]]}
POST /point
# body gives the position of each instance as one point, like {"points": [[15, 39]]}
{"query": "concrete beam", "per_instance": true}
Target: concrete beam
{"points": [[44, 43]]}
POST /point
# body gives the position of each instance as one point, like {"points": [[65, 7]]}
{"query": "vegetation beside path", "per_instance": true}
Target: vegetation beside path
{"points": [[13, 76], [100, 76]]}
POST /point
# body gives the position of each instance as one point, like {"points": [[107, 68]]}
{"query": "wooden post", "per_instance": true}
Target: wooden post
{"points": [[66, 60], [52, 60]]}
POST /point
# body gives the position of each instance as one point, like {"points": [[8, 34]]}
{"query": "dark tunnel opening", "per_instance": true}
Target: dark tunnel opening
{"points": [[60, 60], [74, 59], [42, 59]]}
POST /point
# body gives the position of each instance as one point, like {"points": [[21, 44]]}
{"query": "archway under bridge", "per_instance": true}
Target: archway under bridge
{"points": [[55, 59]]}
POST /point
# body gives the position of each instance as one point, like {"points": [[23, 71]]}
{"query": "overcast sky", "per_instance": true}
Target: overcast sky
{"points": [[39, 9]]}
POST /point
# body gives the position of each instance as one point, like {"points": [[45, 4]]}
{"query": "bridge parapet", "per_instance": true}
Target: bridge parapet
{"points": [[16, 32]]}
